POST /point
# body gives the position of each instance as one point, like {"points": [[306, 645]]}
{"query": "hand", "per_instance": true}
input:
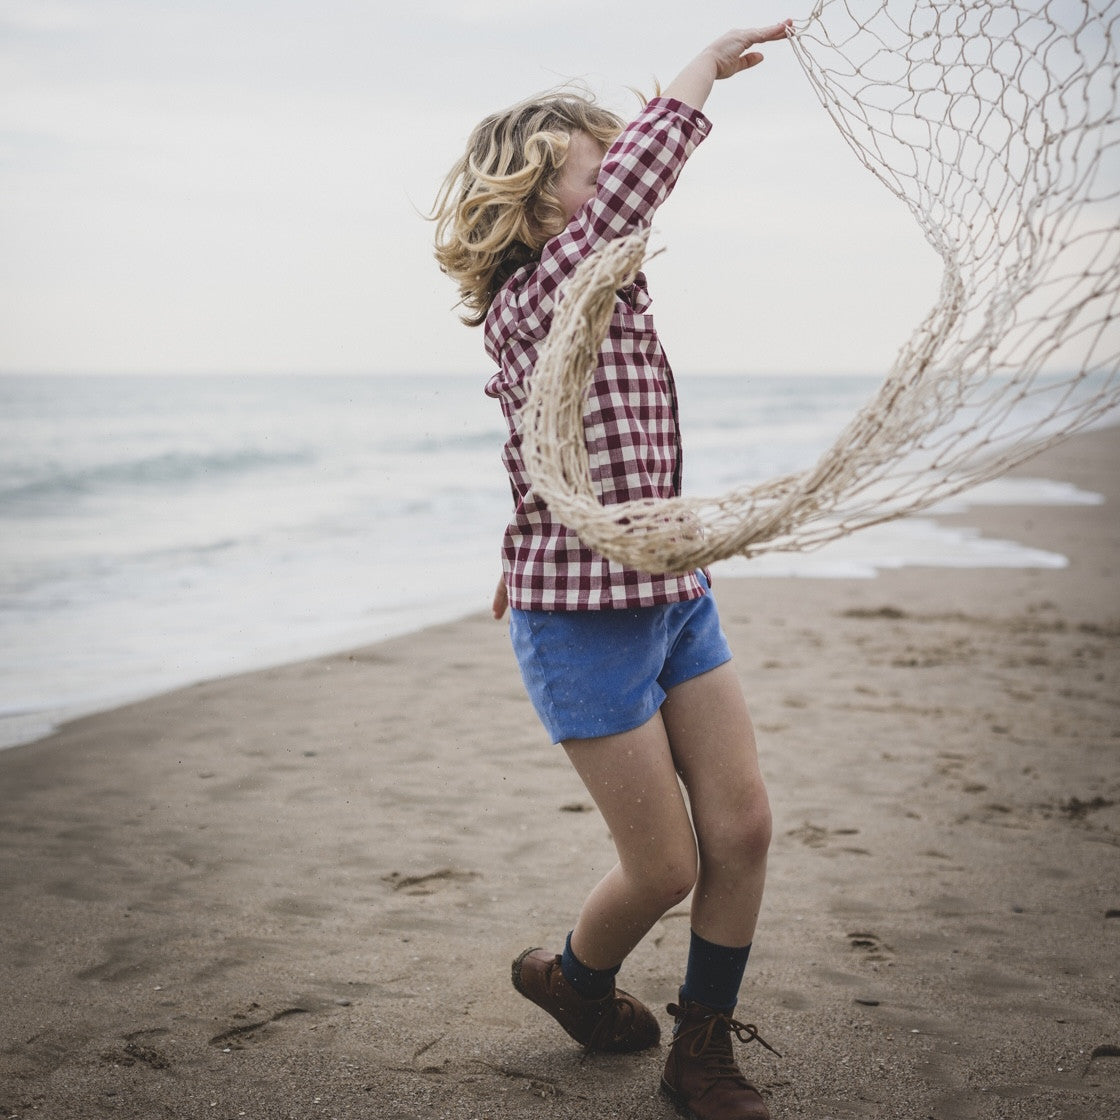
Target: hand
{"points": [[731, 52], [501, 599]]}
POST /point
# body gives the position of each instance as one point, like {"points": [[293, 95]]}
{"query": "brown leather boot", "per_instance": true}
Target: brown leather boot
{"points": [[618, 1022], [700, 1072]]}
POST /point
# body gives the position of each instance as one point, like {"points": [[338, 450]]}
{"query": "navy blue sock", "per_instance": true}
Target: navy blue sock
{"points": [[592, 983], [714, 974]]}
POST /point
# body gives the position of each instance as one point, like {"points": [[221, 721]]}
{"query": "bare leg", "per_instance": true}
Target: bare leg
{"points": [[633, 780], [713, 745]]}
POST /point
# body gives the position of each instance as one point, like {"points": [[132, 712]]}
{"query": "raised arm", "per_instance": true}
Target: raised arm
{"points": [[637, 174], [728, 55]]}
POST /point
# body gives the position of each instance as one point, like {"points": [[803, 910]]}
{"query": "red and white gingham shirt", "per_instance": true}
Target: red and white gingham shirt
{"points": [[630, 418]]}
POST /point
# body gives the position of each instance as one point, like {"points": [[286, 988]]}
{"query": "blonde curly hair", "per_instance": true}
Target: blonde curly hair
{"points": [[497, 207]]}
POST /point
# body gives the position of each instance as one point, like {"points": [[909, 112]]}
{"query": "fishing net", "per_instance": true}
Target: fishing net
{"points": [[996, 123]]}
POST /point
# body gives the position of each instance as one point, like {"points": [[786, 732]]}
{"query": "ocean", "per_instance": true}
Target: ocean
{"points": [[159, 531]]}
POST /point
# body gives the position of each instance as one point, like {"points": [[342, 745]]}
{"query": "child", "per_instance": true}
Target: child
{"points": [[628, 670]]}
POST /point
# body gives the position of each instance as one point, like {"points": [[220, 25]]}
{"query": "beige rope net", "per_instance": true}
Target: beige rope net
{"points": [[996, 123]]}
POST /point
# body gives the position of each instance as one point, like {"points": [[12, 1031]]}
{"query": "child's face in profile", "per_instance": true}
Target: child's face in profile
{"points": [[575, 185]]}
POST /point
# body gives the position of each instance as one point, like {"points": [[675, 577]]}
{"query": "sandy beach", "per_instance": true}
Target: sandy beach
{"points": [[296, 892]]}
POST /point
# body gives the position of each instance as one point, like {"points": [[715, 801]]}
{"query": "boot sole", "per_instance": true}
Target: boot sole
{"points": [[515, 970], [676, 1100]]}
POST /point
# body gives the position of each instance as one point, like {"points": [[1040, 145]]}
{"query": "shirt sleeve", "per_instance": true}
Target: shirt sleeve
{"points": [[638, 173]]}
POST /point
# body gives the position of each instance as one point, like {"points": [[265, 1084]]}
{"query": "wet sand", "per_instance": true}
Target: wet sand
{"points": [[296, 893]]}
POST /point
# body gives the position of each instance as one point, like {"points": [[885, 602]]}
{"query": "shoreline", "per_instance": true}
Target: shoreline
{"points": [[296, 892], [984, 549]]}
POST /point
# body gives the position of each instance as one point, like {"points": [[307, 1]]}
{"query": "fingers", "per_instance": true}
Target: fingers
{"points": [[755, 35], [735, 46], [767, 34], [771, 34], [501, 600]]}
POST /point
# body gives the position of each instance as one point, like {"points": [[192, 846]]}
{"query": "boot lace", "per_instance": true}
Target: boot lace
{"points": [[613, 1022], [710, 1039]]}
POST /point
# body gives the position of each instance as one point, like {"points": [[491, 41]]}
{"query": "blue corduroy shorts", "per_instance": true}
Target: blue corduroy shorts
{"points": [[594, 673]]}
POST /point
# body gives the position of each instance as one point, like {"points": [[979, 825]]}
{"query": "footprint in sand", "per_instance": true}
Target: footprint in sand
{"points": [[135, 1051], [235, 1037], [429, 882], [1097, 1072], [814, 836], [870, 945], [1075, 809]]}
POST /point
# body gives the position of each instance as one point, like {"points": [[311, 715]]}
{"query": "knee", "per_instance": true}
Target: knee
{"points": [[667, 876], [758, 832], [672, 890], [743, 838], [677, 884]]}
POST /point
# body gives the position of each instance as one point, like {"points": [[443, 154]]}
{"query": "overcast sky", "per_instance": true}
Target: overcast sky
{"points": [[238, 185]]}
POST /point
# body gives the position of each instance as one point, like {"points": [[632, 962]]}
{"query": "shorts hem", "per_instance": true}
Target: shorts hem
{"points": [[695, 672], [601, 732]]}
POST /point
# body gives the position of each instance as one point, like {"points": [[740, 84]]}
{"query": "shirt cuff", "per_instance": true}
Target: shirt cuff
{"points": [[695, 116]]}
